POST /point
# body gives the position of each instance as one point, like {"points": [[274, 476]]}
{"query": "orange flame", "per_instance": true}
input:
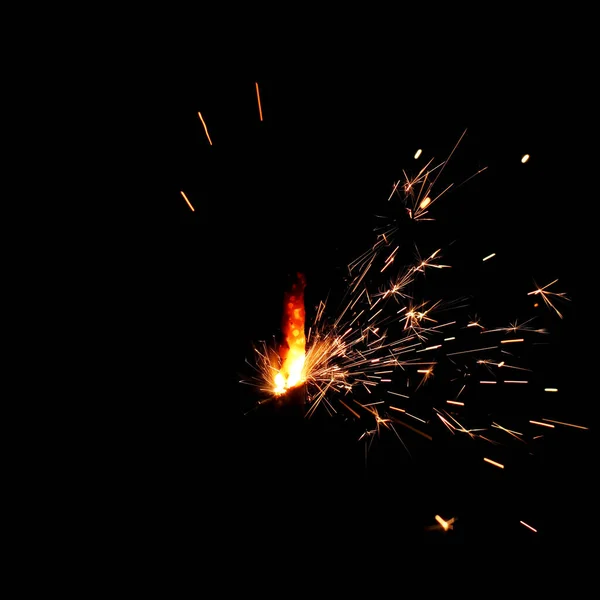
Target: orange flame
{"points": [[292, 350]]}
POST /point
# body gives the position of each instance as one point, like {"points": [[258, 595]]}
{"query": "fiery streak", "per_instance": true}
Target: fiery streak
{"points": [[205, 128], [566, 424], [493, 462], [188, 202], [545, 294], [258, 99], [528, 526]]}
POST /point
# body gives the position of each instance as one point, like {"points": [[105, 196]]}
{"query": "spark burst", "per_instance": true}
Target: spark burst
{"points": [[371, 358]]}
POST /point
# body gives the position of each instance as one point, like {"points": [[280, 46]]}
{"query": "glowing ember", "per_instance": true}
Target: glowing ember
{"points": [[292, 350]]}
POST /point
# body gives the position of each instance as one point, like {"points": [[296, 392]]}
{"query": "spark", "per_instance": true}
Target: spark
{"points": [[489, 256], [528, 526], [524, 158], [545, 294], [542, 424], [205, 128], [493, 462], [551, 389], [188, 202], [516, 326], [418, 153], [445, 524], [258, 99], [567, 424], [471, 351], [514, 434]]}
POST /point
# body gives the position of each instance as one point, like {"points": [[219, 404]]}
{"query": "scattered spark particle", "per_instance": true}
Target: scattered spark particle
{"points": [[455, 402], [259, 105], [186, 199], [418, 153], [397, 394], [512, 341], [205, 128], [542, 424], [567, 424], [469, 351], [525, 158], [528, 526], [551, 389], [493, 462], [489, 256], [545, 294]]}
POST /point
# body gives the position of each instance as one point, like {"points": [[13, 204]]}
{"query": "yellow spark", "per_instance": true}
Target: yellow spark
{"points": [[425, 435], [545, 294], [528, 526], [567, 424], [449, 339], [186, 199], [511, 341], [524, 158], [493, 462], [445, 524], [258, 98], [455, 402], [516, 381], [542, 424], [425, 202], [469, 351], [418, 153], [488, 382], [352, 411], [205, 128], [551, 389], [397, 394], [417, 418], [515, 434], [489, 256]]}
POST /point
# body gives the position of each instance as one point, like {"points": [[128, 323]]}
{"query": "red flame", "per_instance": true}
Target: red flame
{"points": [[292, 350]]}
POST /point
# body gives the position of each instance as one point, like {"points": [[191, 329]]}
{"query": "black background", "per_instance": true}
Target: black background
{"points": [[181, 296]]}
